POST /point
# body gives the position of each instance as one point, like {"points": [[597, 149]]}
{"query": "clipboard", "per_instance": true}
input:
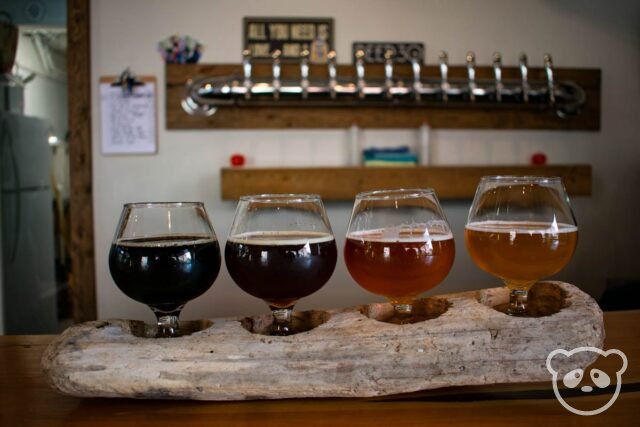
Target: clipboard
{"points": [[128, 114]]}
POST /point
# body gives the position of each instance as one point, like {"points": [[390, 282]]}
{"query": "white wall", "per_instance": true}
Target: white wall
{"points": [[600, 34]]}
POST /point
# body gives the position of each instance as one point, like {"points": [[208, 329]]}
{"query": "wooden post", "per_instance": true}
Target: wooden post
{"points": [[82, 281]]}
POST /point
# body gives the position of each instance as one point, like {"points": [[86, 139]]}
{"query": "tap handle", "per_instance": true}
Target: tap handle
{"points": [[417, 82], [548, 67], [360, 72], [304, 72], [443, 59], [524, 74], [388, 72], [333, 75], [497, 72], [246, 67], [471, 74], [275, 67]]}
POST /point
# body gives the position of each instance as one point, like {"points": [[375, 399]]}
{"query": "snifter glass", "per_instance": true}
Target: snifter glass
{"points": [[280, 249], [521, 229], [399, 245], [164, 255]]}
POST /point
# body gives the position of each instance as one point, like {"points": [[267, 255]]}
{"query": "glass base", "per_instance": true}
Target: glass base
{"points": [[282, 324], [518, 303], [402, 314], [167, 322], [415, 311]]}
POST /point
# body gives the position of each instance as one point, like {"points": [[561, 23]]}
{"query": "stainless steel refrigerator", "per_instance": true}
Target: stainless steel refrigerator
{"points": [[29, 285]]}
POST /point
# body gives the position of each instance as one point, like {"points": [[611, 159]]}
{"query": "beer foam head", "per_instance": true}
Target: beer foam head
{"points": [[166, 241], [530, 227], [281, 238], [400, 235]]}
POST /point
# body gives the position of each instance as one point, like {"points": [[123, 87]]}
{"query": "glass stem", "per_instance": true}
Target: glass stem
{"points": [[281, 325], [402, 313], [168, 325], [518, 302]]}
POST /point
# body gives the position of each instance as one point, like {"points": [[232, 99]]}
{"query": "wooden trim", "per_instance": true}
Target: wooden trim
{"points": [[342, 183], [83, 289], [460, 115]]}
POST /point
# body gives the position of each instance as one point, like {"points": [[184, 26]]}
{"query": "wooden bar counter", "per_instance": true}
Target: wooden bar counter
{"points": [[26, 399]]}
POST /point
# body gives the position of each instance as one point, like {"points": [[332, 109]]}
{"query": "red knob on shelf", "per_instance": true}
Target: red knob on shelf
{"points": [[237, 160], [539, 159]]}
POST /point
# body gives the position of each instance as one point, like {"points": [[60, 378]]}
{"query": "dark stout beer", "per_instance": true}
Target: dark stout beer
{"points": [[165, 272]]}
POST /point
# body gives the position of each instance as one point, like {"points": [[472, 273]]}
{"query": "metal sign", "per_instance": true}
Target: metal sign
{"points": [[403, 52], [262, 36]]}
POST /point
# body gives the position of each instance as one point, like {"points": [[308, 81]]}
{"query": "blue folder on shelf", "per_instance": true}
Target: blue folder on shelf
{"points": [[397, 156]]}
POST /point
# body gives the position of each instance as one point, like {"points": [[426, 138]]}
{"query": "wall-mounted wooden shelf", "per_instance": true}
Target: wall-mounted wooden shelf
{"points": [[452, 115], [342, 183]]}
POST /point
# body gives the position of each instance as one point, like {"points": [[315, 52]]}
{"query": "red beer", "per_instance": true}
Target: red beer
{"points": [[399, 268]]}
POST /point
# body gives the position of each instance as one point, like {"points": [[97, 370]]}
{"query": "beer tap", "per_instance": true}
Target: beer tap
{"points": [[524, 74], [360, 72], [444, 72], [417, 83], [333, 75], [471, 73], [548, 67], [304, 73], [276, 73], [241, 88], [497, 72], [388, 73], [246, 67]]}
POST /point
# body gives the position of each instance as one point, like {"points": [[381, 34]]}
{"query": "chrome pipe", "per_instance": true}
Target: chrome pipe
{"points": [[205, 95]]}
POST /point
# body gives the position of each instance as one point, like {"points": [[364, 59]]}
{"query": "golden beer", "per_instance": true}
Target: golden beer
{"points": [[520, 252]]}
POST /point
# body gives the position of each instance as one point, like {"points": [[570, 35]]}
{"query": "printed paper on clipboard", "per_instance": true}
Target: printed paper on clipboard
{"points": [[128, 120]]}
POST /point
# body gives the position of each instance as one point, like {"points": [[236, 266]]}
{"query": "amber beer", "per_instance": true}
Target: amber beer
{"points": [[521, 253], [399, 268]]}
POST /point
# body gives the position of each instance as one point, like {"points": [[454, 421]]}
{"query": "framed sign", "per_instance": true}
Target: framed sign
{"points": [[402, 51], [290, 35]]}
